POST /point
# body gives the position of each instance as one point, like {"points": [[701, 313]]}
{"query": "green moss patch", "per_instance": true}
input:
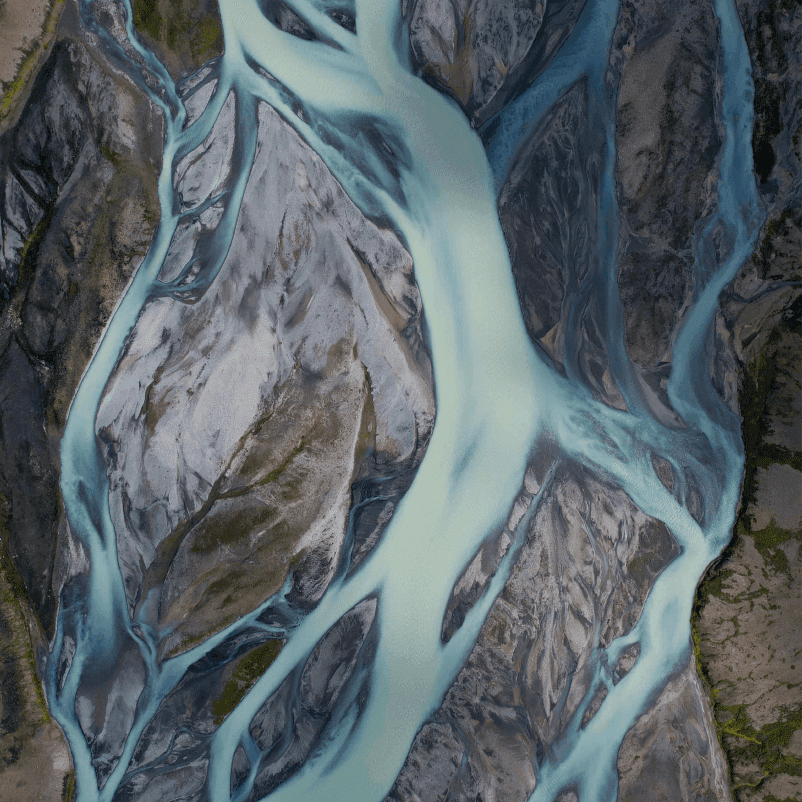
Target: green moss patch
{"points": [[14, 593], [183, 33], [147, 17], [713, 584], [246, 674], [30, 250], [767, 542], [746, 747], [208, 39], [758, 383], [274, 475], [765, 41], [68, 794]]}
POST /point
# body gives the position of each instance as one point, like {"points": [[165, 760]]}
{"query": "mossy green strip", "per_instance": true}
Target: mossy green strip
{"points": [[68, 792], [743, 744], [767, 542], [249, 670], [764, 746]]}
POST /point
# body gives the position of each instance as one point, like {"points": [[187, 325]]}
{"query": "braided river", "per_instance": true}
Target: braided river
{"points": [[431, 177]]}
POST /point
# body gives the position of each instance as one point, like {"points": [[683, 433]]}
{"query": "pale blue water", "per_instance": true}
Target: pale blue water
{"points": [[494, 393]]}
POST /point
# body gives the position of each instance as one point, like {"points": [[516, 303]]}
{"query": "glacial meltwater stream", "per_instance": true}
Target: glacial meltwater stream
{"points": [[433, 181]]}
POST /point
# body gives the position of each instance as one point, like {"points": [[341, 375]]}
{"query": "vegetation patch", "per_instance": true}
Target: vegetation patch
{"points": [[713, 584], [31, 61], [68, 794], [764, 746], [229, 527], [767, 542], [208, 39], [30, 250], [275, 474], [147, 17], [775, 229], [758, 382], [766, 45], [245, 676], [757, 385], [186, 33]]}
